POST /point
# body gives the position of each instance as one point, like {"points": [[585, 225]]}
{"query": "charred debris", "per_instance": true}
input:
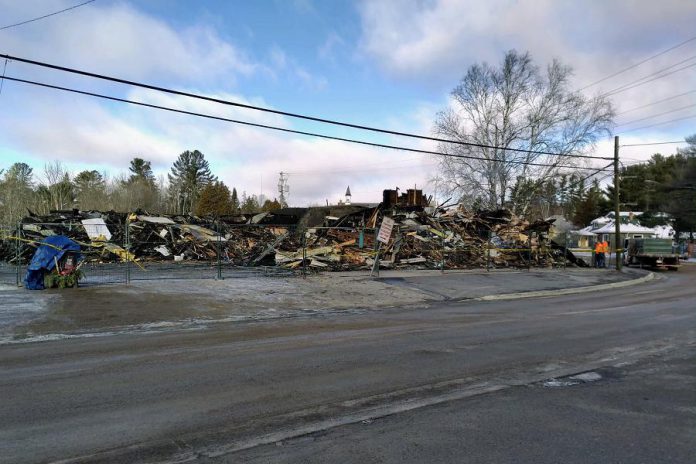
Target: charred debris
{"points": [[332, 238]]}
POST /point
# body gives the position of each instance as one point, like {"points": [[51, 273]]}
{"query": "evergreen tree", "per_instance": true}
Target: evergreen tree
{"points": [[139, 190], [691, 149], [593, 204], [141, 170], [250, 204], [680, 197], [15, 192], [20, 173], [189, 175], [90, 190], [235, 201], [269, 205], [215, 200]]}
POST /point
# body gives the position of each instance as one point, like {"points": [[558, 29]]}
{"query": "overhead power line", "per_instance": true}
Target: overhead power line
{"points": [[653, 143], [656, 102], [593, 173], [658, 124], [643, 81], [275, 128], [46, 16], [363, 165], [360, 169], [377, 163], [283, 113], [621, 71], [656, 115]]}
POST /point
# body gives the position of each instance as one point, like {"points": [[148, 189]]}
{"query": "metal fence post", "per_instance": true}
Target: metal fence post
{"points": [[529, 250], [375, 267], [488, 251], [18, 253], [442, 255], [218, 249], [127, 246], [565, 250], [304, 254]]}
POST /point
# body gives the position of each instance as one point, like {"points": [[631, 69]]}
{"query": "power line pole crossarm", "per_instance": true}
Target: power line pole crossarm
{"points": [[617, 213]]}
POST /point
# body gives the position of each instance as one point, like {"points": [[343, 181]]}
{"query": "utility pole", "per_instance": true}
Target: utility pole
{"points": [[617, 213]]}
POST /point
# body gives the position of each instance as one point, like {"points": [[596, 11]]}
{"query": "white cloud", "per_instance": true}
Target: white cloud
{"points": [[243, 157], [411, 40], [446, 36], [119, 40], [434, 42], [115, 38]]}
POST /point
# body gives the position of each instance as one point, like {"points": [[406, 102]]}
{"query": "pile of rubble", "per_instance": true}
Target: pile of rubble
{"points": [[433, 239], [110, 237], [422, 237]]}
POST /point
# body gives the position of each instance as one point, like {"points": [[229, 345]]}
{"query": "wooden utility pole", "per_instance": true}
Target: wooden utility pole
{"points": [[617, 210]]}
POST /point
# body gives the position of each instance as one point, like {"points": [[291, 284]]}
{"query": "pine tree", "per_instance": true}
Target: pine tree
{"points": [[235, 201], [90, 190], [593, 204], [141, 170], [691, 149], [189, 175], [140, 188]]}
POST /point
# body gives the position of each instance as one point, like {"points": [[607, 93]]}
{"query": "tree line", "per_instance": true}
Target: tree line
{"points": [[190, 187], [665, 184], [663, 189]]}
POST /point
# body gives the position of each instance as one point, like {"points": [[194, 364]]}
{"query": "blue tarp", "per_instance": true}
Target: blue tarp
{"points": [[51, 250]]}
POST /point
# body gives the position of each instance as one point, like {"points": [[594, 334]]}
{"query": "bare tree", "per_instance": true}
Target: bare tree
{"points": [[58, 187], [514, 107]]}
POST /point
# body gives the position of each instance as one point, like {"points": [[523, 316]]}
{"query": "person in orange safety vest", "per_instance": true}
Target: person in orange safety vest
{"points": [[605, 250], [599, 254]]}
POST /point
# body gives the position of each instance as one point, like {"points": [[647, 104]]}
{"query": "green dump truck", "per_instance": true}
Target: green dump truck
{"points": [[651, 252]]}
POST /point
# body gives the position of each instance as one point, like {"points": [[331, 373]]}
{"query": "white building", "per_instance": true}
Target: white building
{"points": [[608, 231]]}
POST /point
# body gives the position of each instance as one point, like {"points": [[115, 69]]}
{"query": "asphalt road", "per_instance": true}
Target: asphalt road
{"points": [[420, 382], [637, 413]]}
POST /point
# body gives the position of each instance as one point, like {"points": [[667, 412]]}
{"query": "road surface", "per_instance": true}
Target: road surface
{"points": [[453, 382]]}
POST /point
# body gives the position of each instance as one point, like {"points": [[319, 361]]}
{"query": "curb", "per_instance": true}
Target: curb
{"points": [[566, 291]]}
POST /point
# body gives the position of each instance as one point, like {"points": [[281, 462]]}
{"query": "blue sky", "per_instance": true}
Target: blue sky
{"points": [[387, 63]]}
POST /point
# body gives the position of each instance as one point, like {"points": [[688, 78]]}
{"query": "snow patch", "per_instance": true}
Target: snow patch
{"points": [[587, 377]]}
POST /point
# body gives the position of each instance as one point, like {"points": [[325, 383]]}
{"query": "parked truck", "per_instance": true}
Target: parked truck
{"points": [[651, 252]]}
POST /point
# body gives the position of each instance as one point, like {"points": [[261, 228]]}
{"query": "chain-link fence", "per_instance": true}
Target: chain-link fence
{"points": [[219, 251], [9, 269], [122, 252], [152, 248]]}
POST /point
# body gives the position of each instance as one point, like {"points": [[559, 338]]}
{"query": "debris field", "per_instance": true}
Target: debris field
{"points": [[423, 237]]}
